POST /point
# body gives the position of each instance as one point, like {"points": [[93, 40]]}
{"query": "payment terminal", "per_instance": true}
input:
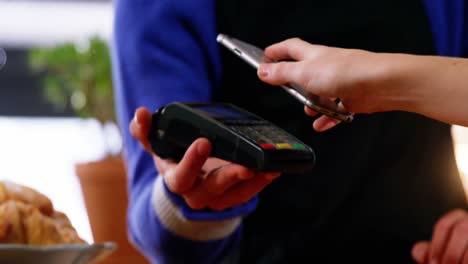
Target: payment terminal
{"points": [[236, 135]]}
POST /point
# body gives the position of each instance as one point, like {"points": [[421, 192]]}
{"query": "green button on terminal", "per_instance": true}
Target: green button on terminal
{"points": [[298, 146]]}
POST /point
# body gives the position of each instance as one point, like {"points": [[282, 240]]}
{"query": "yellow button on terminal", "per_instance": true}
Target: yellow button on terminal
{"points": [[283, 146]]}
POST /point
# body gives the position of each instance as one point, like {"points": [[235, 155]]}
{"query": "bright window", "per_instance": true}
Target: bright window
{"points": [[41, 153]]}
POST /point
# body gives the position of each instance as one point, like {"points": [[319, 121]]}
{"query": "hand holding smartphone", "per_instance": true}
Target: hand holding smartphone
{"points": [[255, 56]]}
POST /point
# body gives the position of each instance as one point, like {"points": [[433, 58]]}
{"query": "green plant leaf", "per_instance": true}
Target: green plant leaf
{"points": [[68, 68]]}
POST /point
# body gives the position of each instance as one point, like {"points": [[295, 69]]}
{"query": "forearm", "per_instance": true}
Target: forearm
{"points": [[436, 87]]}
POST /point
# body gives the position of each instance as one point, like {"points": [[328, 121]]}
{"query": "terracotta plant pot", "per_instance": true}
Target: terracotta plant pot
{"points": [[104, 188]]}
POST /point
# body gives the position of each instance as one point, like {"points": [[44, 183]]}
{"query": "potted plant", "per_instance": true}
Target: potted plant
{"points": [[79, 77]]}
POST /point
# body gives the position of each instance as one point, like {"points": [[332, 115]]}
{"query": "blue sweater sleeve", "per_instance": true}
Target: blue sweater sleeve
{"points": [[162, 246], [465, 31], [449, 22], [163, 51]]}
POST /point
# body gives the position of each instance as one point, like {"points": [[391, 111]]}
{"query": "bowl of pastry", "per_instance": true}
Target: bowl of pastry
{"points": [[32, 231]]}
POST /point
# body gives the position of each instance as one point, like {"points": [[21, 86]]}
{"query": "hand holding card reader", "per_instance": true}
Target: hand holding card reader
{"points": [[236, 135]]}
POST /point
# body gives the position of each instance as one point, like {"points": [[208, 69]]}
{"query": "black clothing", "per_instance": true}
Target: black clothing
{"points": [[381, 182]]}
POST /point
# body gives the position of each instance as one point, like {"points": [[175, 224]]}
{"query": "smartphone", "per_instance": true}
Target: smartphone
{"points": [[254, 56]]}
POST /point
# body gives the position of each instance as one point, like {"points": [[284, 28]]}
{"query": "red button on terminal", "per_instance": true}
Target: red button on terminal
{"points": [[267, 146]]}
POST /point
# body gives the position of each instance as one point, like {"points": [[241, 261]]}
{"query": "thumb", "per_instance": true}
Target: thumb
{"points": [[184, 175], [280, 73], [140, 127]]}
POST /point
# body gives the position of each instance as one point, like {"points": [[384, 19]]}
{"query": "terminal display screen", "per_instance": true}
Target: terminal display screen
{"points": [[224, 113]]}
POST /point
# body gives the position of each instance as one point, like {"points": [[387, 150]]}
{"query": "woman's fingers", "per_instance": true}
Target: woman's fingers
{"points": [[163, 165], [214, 164], [324, 123], [465, 258], [140, 127], [457, 244], [181, 178], [442, 233], [243, 192], [294, 48], [309, 111], [215, 183], [281, 73], [420, 251]]}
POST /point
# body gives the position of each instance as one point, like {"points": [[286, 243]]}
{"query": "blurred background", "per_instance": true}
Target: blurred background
{"points": [[51, 124], [42, 134]]}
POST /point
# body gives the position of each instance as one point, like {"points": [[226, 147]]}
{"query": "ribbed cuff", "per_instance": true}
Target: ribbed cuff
{"points": [[171, 217]]}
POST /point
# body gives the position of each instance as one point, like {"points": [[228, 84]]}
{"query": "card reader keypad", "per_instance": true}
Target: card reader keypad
{"points": [[265, 135]]}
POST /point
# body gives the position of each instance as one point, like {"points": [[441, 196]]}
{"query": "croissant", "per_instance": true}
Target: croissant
{"points": [[12, 191], [28, 217]]}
